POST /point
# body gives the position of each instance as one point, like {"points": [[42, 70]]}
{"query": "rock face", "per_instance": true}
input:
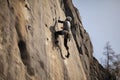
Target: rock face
{"points": [[27, 49]]}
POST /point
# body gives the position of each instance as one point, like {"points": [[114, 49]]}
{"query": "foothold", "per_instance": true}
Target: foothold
{"points": [[47, 39], [29, 27], [46, 25], [26, 5], [23, 52], [25, 57], [53, 19]]}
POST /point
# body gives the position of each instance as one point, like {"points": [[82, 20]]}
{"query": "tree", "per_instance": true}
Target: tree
{"points": [[109, 54], [112, 60], [116, 65]]}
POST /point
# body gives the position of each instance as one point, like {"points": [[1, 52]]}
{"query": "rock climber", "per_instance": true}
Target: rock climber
{"points": [[66, 32]]}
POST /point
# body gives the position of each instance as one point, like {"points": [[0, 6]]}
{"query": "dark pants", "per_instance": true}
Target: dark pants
{"points": [[65, 33]]}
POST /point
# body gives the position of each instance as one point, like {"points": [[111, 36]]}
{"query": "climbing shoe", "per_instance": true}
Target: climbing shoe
{"points": [[68, 54], [56, 42]]}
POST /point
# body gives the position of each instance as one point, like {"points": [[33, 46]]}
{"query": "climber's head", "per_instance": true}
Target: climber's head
{"points": [[68, 18]]}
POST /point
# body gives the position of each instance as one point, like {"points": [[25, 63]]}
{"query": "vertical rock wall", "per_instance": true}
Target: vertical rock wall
{"points": [[27, 49]]}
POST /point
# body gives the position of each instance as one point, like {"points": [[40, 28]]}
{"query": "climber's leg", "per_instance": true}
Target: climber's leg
{"points": [[65, 43], [57, 33], [65, 39], [66, 46]]}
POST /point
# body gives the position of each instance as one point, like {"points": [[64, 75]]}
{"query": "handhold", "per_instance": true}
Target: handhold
{"points": [[46, 25], [29, 27]]}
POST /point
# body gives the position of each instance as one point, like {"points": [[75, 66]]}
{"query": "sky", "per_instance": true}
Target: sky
{"points": [[101, 19]]}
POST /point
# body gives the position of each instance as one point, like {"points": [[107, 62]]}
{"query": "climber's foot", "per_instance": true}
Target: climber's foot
{"points": [[68, 54], [56, 42]]}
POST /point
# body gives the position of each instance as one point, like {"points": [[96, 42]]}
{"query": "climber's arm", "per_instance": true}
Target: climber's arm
{"points": [[60, 21]]}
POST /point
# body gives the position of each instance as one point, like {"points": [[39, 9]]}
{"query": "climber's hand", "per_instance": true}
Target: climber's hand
{"points": [[61, 27]]}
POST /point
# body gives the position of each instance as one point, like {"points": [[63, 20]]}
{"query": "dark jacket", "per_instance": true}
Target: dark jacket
{"points": [[66, 25]]}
